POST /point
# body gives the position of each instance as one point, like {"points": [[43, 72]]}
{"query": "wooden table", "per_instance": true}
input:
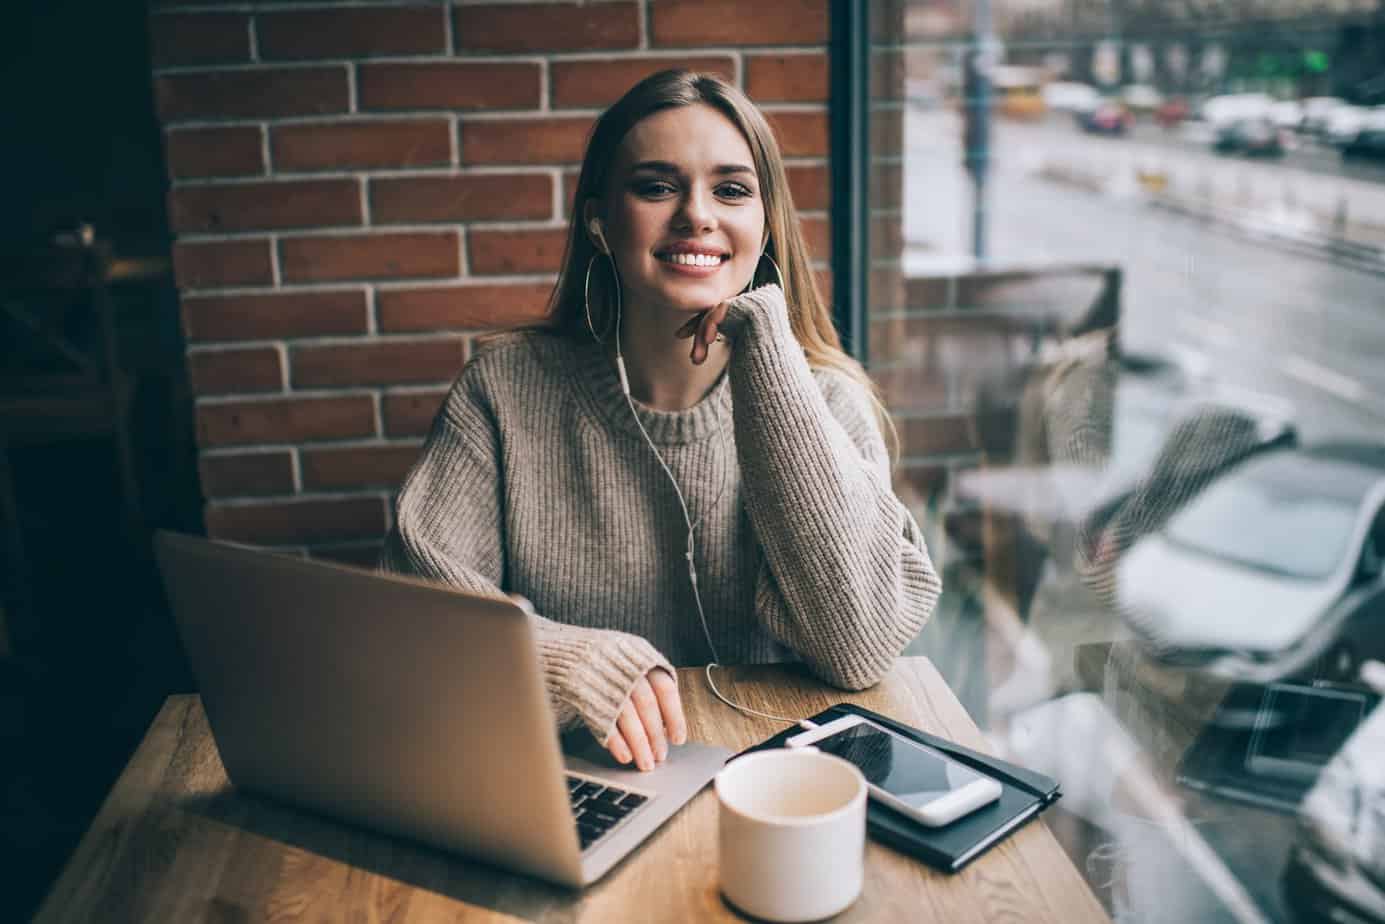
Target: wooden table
{"points": [[174, 841]]}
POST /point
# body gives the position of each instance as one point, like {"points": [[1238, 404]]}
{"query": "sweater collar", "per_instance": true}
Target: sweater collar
{"points": [[596, 376]]}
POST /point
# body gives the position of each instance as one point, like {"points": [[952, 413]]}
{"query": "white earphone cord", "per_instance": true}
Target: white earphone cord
{"points": [[687, 519]]}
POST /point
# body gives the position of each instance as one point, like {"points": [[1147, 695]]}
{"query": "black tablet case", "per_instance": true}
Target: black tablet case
{"points": [[1024, 794]]}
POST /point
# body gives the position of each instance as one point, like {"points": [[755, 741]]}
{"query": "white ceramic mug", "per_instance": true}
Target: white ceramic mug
{"points": [[792, 834]]}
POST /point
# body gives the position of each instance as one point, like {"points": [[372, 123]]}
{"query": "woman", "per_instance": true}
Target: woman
{"points": [[671, 472]]}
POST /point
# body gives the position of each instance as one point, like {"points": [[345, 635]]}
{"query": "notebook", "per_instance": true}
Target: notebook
{"points": [[1024, 794]]}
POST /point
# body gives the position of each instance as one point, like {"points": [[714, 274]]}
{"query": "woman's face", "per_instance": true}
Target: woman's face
{"points": [[683, 213]]}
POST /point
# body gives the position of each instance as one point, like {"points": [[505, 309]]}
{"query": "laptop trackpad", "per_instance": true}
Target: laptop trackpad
{"points": [[689, 764]]}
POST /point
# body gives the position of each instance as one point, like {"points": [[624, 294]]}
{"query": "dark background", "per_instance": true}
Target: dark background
{"points": [[97, 654]]}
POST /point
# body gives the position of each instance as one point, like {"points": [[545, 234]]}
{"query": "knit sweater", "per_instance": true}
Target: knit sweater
{"points": [[535, 480]]}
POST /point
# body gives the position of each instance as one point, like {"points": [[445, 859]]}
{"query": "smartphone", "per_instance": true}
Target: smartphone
{"points": [[912, 778]]}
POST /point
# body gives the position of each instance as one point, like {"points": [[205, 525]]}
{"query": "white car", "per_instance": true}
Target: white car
{"points": [[1141, 97], [1317, 110], [1286, 114], [1344, 124], [1067, 96], [1221, 111], [1273, 571]]}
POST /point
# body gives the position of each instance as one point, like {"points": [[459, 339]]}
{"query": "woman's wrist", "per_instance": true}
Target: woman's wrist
{"points": [[753, 308]]}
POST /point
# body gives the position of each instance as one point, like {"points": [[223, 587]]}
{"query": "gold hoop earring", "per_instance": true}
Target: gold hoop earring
{"points": [[777, 274], [587, 303]]}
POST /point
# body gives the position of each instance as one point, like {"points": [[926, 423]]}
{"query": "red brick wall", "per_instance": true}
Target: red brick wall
{"points": [[358, 189]]}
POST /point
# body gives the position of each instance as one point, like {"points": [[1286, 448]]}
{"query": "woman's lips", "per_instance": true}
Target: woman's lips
{"points": [[689, 264]]}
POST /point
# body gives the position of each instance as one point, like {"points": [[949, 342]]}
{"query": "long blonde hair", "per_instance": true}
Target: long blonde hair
{"points": [[809, 314]]}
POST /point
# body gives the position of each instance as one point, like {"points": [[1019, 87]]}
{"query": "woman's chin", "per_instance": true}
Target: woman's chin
{"points": [[691, 300]]}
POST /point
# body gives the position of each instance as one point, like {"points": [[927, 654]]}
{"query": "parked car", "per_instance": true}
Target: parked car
{"points": [[1317, 110], [1071, 97], [1254, 137], [1140, 97], [1221, 111], [1344, 123], [1369, 144], [1370, 139], [1286, 114], [1275, 571], [1109, 118], [1173, 110]]}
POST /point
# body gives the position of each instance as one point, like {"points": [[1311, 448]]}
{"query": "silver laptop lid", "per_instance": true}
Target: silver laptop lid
{"points": [[390, 702]]}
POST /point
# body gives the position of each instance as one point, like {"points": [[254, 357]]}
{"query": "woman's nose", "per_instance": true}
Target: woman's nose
{"points": [[697, 213]]}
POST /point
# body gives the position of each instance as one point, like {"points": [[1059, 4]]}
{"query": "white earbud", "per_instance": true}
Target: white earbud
{"points": [[595, 227]]}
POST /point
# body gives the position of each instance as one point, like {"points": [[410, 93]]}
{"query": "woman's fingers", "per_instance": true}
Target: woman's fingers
{"points": [[665, 688], [647, 708], [707, 326], [689, 328], [618, 748], [632, 728]]}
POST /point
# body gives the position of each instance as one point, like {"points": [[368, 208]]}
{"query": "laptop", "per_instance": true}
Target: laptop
{"points": [[408, 708], [1266, 744]]}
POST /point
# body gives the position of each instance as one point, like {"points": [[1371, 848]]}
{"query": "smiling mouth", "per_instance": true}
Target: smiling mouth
{"points": [[693, 259]]}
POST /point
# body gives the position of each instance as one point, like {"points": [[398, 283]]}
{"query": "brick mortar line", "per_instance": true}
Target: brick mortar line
{"points": [[350, 391], [377, 409], [372, 115], [545, 90], [386, 285], [296, 470], [194, 6], [276, 270], [642, 24], [326, 340], [448, 30], [353, 103], [298, 232], [391, 173], [287, 290], [372, 311], [266, 152], [463, 260], [250, 500], [282, 353], [559, 193], [328, 62], [262, 449], [254, 38]]}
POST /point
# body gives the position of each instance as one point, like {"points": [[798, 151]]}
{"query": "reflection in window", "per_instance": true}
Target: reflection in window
{"points": [[1287, 519]]}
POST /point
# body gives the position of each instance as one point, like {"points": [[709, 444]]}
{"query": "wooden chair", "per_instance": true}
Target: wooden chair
{"points": [[60, 379]]}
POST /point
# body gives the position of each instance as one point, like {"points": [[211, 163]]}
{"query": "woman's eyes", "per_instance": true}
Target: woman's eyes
{"points": [[659, 188]]}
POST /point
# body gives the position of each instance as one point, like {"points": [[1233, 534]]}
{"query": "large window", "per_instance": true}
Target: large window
{"points": [[1126, 302]]}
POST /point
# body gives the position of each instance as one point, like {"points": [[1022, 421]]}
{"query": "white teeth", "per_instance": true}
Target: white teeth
{"points": [[692, 259]]}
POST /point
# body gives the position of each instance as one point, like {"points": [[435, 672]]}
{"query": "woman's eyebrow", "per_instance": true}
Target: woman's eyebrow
{"points": [[663, 166]]}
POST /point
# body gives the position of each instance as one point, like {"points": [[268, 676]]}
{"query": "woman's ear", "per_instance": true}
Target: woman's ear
{"points": [[594, 226]]}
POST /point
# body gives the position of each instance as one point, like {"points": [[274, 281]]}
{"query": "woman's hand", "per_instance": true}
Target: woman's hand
{"points": [[650, 720], [702, 327]]}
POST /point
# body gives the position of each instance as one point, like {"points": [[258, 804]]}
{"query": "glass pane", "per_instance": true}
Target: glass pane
{"points": [[1142, 419]]}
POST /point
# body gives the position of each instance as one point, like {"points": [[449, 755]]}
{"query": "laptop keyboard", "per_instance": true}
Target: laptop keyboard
{"points": [[598, 808]]}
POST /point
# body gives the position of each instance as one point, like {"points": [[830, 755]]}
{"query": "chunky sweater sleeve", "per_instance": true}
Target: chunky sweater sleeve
{"points": [[846, 581], [449, 528]]}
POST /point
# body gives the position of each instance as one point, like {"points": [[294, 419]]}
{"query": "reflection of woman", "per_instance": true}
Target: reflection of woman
{"points": [[870, 750], [542, 476]]}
